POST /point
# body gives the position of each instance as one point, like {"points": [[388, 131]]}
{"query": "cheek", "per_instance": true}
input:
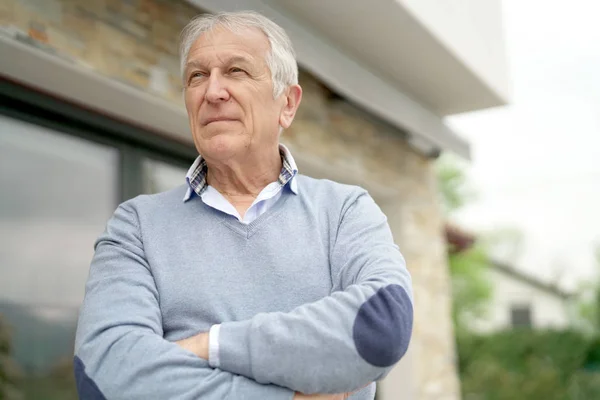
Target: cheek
{"points": [[188, 105], [264, 111], [192, 100]]}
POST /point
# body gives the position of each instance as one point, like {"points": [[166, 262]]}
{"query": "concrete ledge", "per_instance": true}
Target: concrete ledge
{"points": [[64, 80], [26, 65]]}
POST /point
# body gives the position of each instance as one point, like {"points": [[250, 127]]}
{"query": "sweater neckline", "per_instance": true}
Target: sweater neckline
{"points": [[247, 230]]}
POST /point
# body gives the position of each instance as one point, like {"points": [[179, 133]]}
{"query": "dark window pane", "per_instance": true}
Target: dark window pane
{"points": [[521, 316], [57, 193]]}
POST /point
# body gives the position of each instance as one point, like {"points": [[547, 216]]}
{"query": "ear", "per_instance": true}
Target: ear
{"points": [[293, 96]]}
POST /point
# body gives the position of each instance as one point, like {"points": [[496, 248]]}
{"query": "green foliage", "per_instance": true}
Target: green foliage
{"points": [[452, 183], [57, 384], [526, 364], [471, 288], [10, 374], [589, 303], [592, 361], [520, 363]]}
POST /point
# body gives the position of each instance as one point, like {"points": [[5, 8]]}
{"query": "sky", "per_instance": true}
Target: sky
{"points": [[536, 163]]}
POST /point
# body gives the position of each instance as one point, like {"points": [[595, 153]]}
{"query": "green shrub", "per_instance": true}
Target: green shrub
{"points": [[526, 364]]}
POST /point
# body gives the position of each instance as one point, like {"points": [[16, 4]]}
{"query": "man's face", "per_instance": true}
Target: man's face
{"points": [[229, 95]]}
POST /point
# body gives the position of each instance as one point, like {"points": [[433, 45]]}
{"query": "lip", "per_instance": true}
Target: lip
{"points": [[217, 119]]}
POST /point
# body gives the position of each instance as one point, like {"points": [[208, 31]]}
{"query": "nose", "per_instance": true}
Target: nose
{"points": [[216, 92]]}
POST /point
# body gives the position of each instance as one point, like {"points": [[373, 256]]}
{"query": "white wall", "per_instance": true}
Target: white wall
{"points": [[547, 310], [471, 29]]}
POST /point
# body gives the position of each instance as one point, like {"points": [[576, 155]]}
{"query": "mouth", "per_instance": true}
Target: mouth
{"points": [[218, 119]]}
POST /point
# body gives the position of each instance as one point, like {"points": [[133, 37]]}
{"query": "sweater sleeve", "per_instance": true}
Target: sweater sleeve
{"points": [[120, 352], [345, 340]]}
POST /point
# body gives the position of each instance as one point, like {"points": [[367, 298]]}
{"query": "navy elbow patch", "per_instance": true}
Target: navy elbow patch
{"points": [[86, 387], [383, 326]]}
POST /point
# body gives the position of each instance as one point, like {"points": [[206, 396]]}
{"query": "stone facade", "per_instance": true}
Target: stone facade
{"points": [[135, 42], [132, 41]]}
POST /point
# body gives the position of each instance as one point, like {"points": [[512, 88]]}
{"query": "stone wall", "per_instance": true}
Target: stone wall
{"points": [[132, 41], [135, 42]]}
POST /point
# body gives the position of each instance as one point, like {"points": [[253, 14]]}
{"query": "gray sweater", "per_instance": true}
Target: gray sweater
{"points": [[313, 296]]}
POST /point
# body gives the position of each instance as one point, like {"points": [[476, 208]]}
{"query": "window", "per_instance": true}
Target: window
{"points": [[57, 193], [520, 316], [160, 176], [62, 174]]}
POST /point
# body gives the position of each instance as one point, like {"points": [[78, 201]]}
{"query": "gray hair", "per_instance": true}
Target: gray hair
{"points": [[281, 59]]}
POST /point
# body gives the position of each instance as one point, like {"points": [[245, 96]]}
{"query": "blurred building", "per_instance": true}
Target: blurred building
{"points": [[91, 114], [520, 300]]}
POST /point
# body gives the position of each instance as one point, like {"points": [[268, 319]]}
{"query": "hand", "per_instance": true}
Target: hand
{"points": [[197, 344], [340, 396], [337, 396]]}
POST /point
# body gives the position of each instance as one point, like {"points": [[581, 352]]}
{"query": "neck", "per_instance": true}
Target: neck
{"points": [[244, 178]]}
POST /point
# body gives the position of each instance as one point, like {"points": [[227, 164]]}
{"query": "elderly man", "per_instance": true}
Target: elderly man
{"points": [[250, 281]]}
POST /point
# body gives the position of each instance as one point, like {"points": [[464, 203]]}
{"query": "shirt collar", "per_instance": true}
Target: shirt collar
{"points": [[196, 175]]}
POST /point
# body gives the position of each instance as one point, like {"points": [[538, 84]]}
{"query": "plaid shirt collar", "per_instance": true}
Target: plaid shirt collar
{"points": [[196, 175]]}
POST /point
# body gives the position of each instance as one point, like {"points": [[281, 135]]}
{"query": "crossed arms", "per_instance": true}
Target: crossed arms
{"points": [[337, 344]]}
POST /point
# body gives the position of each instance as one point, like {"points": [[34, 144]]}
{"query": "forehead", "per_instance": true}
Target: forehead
{"points": [[221, 44]]}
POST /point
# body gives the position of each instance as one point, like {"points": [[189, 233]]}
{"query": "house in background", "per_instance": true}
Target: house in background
{"points": [[518, 299], [91, 115]]}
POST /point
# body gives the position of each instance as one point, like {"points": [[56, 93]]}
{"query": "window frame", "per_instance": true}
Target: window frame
{"points": [[132, 143]]}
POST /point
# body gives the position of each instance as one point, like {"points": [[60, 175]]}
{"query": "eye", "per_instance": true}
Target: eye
{"points": [[196, 75], [235, 70]]}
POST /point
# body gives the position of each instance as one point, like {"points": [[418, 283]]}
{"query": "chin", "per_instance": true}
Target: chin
{"points": [[223, 146]]}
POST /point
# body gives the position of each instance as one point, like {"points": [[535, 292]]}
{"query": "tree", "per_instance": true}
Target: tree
{"points": [[516, 363], [589, 302], [454, 189], [471, 289]]}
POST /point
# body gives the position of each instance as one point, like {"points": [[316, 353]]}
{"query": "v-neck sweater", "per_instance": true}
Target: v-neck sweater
{"points": [[312, 296]]}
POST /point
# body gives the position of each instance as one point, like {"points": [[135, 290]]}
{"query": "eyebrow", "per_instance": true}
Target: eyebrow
{"points": [[229, 61]]}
